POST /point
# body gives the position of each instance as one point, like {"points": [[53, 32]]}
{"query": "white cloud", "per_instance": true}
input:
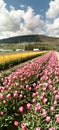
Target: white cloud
{"points": [[32, 21], [2, 5], [52, 19], [18, 22], [53, 10], [52, 29]]}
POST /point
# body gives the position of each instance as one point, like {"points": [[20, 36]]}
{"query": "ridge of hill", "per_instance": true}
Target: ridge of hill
{"points": [[28, 38]]}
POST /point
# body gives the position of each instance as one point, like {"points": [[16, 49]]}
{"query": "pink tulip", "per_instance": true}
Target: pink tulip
{"points": [[49, 82], [30, 88], [28, 106], [21, 109], [34, 100], [41, 98], [50, 87], [55, 103], [38, 107], [44, 114], [1, 96], [48, 119], [20, 96], [38, 128], [34, 85], [23, 126], [43, 94], [46, 85], [57, 119], [4, 102], [57, 116], [52, 128], [16, 123], [1, 113], [45, 100], [8, 96], [3, 88], [17, 84], [55, 92], [44, 89], [15, 94], [27, 87], [51, 109], [43, 110], [56, 97]]}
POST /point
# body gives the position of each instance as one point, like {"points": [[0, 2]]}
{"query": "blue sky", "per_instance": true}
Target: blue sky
{"points": [[23, 17], [39, 6]]}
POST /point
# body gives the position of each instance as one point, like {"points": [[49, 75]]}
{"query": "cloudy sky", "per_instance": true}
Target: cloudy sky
{"points": [[23, 17]]}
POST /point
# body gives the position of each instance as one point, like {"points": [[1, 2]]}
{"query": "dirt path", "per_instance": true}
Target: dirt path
{"points": [[57, 53]]}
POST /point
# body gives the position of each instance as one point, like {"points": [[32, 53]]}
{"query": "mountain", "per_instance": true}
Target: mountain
{"points": [[28, 38], [36, 40], [21, 39]]}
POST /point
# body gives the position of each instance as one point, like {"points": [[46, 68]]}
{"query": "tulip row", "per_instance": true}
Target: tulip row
{"points": [[7, 61], [44, 111], [29, 97]]}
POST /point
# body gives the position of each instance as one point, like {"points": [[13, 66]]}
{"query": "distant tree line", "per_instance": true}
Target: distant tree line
{"points": [[41, 47]]}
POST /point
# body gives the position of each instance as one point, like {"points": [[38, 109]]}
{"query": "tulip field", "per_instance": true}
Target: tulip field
{"points": [[29, 96]]}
